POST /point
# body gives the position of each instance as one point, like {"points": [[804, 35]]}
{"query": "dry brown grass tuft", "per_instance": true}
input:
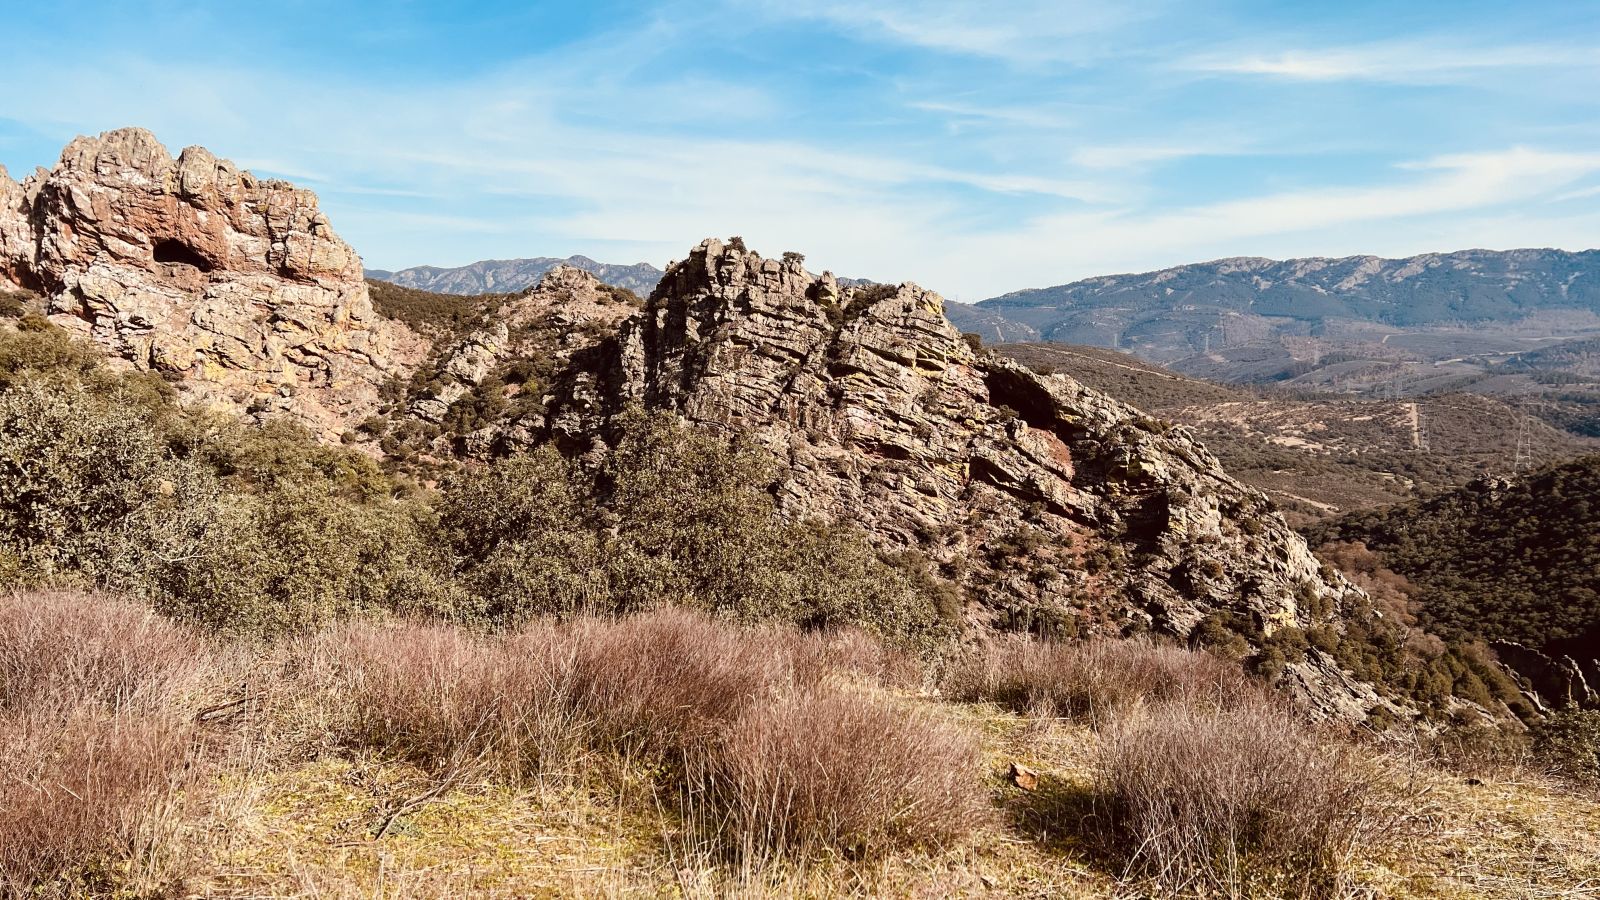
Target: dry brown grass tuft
{"points": [[663, 681], [1097, 680], [1242, 800], [97, 704], [90, 803], [451, 700], [837, 772], [62, 650], [747, 724]]}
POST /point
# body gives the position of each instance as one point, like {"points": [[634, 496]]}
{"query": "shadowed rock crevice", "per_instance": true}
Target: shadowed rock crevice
{"points": [[173, 251]]}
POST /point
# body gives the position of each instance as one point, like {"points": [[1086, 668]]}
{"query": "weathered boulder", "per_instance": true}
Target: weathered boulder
{"points": [[1054, 506], [234, 287]]}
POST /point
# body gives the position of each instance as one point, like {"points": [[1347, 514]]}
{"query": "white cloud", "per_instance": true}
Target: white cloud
{"points": [[1128, 156], [1385, 219], [1399, 62], [563, 155]]}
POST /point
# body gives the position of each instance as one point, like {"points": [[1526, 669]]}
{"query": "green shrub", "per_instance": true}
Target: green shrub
{"points": [[673, 516], [260, 529], [524, 533], [90, 491]]}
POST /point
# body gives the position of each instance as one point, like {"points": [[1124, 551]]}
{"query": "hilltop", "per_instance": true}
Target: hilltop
{"points": [[1515, 561], [1514, 326], [1170, 313]]}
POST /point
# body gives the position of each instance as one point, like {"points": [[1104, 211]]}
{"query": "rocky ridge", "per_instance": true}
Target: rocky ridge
{"points": [[234, 287], [1053, 506], [1173, 313], [513, 355]]}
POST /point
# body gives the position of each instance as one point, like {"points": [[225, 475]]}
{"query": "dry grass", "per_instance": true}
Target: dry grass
{"points": [[96, 715], [447, 699], [838, 772], [745, 726], [665, 681], [60, 651], [1099, 681], [90, 802], [1242, 800], [675, 754]]}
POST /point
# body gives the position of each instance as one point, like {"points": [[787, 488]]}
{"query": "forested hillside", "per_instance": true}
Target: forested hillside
{"points": [[1502, 560]]}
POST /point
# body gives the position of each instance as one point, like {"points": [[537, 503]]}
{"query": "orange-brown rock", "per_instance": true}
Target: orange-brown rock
{"points": [[235, 287], [16, 233]]}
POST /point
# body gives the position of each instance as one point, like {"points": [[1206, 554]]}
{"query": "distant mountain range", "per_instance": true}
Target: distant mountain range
{"points": [[1195, 308], [506, 275]]}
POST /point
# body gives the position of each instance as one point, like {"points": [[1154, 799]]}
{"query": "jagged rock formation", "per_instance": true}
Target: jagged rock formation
{"points": [[16, 233], [1052, 504], [235, 287], [491, 275], [515, 353], [1553, 682]]}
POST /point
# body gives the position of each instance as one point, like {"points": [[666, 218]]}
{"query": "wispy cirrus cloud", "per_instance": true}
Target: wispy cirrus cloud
{"points": [[1396, 62]]}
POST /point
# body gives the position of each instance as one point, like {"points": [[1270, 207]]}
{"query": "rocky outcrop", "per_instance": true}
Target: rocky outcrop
{"points": [[234, 287], [17, 244], [522, 343], [1054, 506], [1552, 681]]}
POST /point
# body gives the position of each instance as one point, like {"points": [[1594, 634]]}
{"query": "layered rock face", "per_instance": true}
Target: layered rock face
{"points": [[526, 341], [235, 287], [1053, 505]]}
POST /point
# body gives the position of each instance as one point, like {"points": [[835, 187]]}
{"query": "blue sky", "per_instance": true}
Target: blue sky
{"points": [[975, 148]]}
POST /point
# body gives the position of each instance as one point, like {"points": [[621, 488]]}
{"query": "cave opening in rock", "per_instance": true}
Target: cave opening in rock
{"points": [[171, 251]]}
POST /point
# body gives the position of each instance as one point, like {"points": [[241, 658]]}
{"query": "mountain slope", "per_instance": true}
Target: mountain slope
{"points": [[510, 275], [1515, 561], [1052, 506], [1188, 309]]}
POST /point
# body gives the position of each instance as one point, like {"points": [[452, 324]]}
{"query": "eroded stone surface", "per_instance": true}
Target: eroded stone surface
{"points": [[1052, 504], [235, 287]]}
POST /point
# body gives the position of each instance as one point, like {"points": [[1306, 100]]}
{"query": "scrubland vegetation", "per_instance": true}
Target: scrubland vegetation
{"points": [[237, 663], [677, 751]]}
